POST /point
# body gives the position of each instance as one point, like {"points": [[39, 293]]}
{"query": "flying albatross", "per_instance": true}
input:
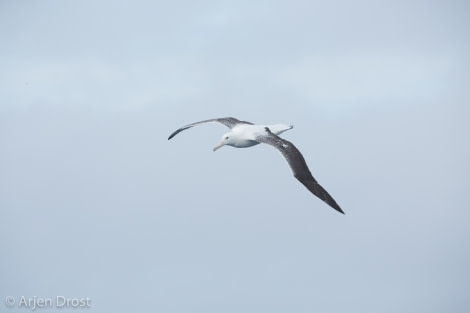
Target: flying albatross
{"points": [[246, 134]]}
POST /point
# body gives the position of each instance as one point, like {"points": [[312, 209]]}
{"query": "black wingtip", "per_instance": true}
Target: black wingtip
{"points": [[174, 134], [336, 207]]}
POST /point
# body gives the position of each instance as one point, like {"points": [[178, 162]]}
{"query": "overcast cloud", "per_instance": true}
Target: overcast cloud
{"points": [[95, 202]]}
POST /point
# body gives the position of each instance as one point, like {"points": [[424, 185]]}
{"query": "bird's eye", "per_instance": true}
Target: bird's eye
{"points": [[226, 137]]}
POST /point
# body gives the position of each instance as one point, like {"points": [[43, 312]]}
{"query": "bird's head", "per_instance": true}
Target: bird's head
{"points": [[227, 139]]}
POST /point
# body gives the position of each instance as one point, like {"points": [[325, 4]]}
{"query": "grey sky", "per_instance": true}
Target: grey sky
{"points": [[95, 202]]}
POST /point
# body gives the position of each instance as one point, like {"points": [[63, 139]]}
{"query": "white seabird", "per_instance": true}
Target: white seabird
{"points": [[245, 134]]}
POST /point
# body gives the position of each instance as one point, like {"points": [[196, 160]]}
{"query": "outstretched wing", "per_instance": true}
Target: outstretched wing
{"points": [[298, 165], [230, 122]]}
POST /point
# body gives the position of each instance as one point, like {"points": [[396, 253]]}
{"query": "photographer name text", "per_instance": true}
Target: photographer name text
{"points": [[34, 302]]}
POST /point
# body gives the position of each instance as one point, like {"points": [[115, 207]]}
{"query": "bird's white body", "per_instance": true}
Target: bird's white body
{"points": [[244, 135]]}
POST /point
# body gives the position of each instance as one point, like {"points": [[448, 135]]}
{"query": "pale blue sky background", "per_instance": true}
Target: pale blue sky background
{"points": [[95, 202]]}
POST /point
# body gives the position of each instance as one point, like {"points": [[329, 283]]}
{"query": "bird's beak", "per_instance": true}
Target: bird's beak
{"points": [[218, 146]]}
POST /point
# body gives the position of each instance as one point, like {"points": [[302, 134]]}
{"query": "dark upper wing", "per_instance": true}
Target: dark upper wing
{"points": [[298, 165], [230, 122]]}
